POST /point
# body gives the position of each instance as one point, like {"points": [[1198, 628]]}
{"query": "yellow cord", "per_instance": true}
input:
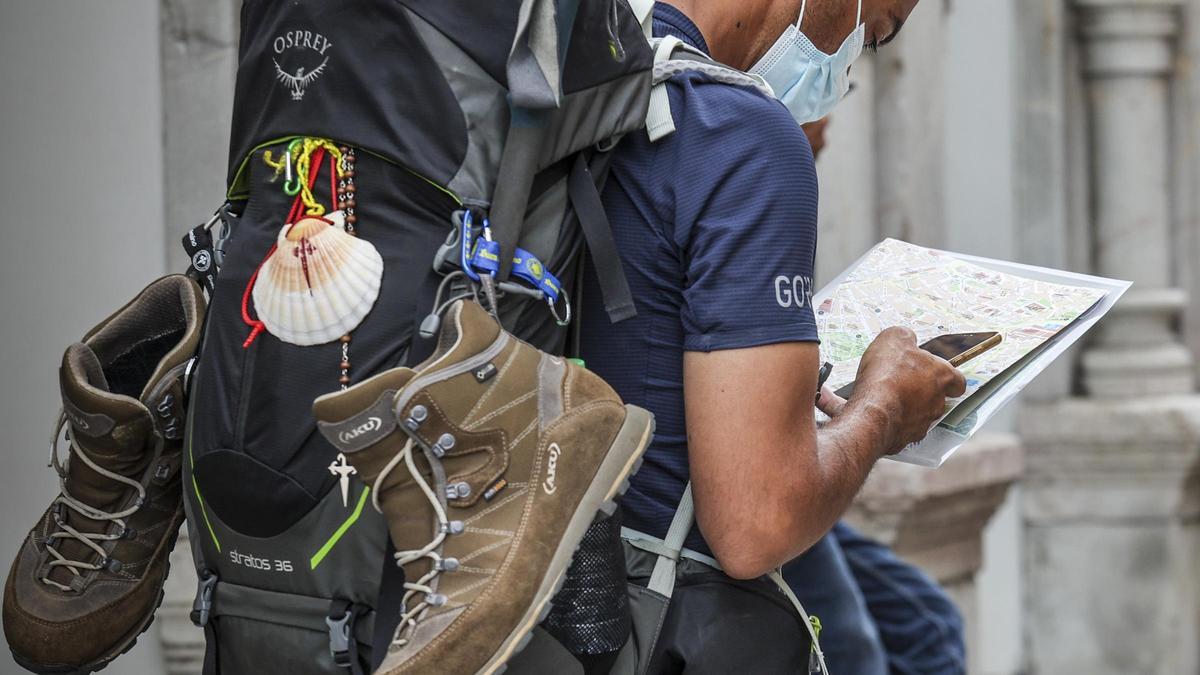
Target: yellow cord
{"points": [[301, 151]]}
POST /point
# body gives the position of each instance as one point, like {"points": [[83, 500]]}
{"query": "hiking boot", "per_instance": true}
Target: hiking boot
{"points": [[89, 577], [489, 461]]}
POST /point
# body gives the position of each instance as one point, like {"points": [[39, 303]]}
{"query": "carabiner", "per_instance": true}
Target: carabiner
{"points": [[561, 321], [465, 248]]}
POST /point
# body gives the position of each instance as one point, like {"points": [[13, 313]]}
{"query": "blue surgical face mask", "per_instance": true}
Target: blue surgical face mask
{"points": [[808, 81]]}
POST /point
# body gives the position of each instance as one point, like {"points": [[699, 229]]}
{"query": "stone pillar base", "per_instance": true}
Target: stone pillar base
{"points": [[1111, 504]]}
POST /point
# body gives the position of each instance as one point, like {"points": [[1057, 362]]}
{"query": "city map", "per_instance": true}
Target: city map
{"points": [[934, 293]]}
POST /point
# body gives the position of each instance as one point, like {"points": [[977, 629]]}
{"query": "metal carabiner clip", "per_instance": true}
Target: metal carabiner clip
{"points": [[465, 247], [560, 320]]}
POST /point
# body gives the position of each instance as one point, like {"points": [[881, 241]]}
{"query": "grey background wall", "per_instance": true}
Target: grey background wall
{"points": [[81, 189]]}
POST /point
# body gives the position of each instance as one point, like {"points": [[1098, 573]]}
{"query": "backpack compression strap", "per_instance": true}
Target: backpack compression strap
{"points": [[673, 57]]}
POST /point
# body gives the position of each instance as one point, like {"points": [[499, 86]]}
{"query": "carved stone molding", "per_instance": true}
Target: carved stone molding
{"points": [[1111, 504], [936, 518]]}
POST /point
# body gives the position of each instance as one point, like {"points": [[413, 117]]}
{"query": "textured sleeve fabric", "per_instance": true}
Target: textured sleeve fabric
{"points": [[745, 217]]}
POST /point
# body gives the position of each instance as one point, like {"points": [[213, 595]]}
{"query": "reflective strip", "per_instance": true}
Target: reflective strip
{"points": [[337, 535]]}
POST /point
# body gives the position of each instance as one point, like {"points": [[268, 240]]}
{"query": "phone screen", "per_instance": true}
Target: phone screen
{"points": [[954, 346]]}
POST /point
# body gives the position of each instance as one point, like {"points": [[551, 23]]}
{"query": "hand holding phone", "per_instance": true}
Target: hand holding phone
{"points": [[902, 389], [957, 348]]}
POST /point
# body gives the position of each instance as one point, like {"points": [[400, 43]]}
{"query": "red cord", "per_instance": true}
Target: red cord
{"points": [[256, 326]]}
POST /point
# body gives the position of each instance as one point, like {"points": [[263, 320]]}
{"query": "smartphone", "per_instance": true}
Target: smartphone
{"points": [[957, 348]]}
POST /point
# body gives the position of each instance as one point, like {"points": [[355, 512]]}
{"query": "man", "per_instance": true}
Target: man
{"points": [[717, 228], [883, 614]]}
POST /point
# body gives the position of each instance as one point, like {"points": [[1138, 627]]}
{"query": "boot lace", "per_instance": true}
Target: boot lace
{"points": [[424, 585], [91, 539]]}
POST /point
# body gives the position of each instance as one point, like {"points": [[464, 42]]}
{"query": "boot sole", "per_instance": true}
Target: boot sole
{"points": [[126, 644], [624, 458]]}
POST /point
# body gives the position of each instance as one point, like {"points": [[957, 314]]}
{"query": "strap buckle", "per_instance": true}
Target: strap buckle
{"points": [[339, 639], [202, 606]]}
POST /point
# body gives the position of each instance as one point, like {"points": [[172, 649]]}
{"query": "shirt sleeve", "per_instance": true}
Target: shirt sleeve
{"points": [[745, 219]]}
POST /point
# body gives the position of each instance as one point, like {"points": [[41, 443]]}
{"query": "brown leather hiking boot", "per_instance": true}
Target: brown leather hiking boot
{"points": [[489, 461], [89, 577]]}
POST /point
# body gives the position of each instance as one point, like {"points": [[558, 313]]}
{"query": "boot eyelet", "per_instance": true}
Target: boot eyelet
{"points": [[460, 490], [444, 443], [436, 599], [128, 533], [416, 416], [111, 564], [448, 564], [454, 527]]}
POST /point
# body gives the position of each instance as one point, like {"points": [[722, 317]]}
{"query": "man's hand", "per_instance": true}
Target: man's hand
{"points": [[905, 385], [768, 484]]}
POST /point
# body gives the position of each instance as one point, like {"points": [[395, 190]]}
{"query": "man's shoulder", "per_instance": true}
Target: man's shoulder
{"points": [[702, 103]]}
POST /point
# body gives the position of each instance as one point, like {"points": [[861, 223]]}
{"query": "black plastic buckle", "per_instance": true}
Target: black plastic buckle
{"points": [[339, 638], [202, 606]]}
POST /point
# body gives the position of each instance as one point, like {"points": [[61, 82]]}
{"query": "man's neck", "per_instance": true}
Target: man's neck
{"points": [[730, 29]]}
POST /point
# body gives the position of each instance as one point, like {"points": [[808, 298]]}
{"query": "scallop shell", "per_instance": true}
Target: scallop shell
{"points": [[319, 283]]}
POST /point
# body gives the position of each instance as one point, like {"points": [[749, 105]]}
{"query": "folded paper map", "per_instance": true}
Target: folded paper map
{"points": [[1038, 311]]}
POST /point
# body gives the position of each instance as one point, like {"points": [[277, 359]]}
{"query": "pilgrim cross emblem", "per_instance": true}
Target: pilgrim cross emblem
{"points": [[344, 471]]}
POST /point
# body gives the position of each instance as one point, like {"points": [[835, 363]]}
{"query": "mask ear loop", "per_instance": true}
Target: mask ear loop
{"points": [[805, 2], [857, 17]]}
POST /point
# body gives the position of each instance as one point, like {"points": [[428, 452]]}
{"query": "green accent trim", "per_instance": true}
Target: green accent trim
{"points": [[196, 487], [337, 535], [238, 191], [204, 512]]}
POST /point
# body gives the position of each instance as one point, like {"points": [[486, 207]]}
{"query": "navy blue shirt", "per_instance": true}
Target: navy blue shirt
{"points": [[716, 225]]}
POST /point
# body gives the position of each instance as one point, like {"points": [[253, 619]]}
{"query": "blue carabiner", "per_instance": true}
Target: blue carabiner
{"points": [[465, 253]]}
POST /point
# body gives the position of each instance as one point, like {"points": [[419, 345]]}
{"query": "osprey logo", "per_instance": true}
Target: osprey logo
{"points": [[372, 424], [551, 469], [297, 79]]}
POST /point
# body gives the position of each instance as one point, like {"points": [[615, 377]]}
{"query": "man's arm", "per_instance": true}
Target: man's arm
{"points": [[767, 483]]}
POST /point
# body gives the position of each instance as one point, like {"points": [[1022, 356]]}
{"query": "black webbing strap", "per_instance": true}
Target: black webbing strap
{"points": [[343, 644], [518, 164], [388, 607], [585, 198], [210, 650]]}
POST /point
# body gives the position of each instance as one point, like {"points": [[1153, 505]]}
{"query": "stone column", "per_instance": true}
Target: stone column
{"points": [[936, 519], [199, 61], [1111, 496], [1128, 52], [198, 43]]}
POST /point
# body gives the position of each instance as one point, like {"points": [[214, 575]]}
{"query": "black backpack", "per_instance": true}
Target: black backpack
{"points": [[449, 114]]}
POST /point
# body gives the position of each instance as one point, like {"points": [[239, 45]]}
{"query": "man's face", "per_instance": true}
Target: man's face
{"points": [[828, 22]]}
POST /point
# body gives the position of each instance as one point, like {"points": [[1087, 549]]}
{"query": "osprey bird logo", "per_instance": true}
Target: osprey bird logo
{"points": [[298, 82]]}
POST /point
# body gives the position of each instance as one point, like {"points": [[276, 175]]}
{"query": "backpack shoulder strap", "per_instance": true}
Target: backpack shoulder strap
{"points": [[643, 11], [673, 57], [662, 579]]}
